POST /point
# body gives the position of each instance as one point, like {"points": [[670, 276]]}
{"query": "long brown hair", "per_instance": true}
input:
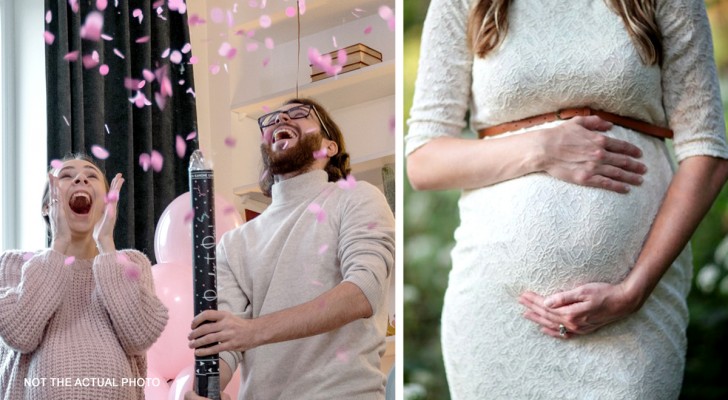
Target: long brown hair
{"points": [[488, 24], [338, 166]]}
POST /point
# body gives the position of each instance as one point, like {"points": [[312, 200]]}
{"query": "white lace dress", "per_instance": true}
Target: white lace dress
{"points": [[541, 234]]}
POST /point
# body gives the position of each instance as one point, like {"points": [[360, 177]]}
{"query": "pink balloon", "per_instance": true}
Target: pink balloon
{"points": [[170, 353], [183, 384], [173, 237], [156, 392]]}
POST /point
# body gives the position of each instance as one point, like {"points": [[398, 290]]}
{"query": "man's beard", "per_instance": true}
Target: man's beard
{"points": [[298, 158]]}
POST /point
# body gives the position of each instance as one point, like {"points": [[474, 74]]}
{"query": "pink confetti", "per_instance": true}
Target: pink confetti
{"points": [[27, 256], [160, 100], [320, 212], [302, 6], [341, 56], [323, 248], [290, 12], [266, 61], [387, 14], [49, 37], [48, 17], [106, 37], [180, 146], [74, 5], [101, 5], [69, 260], [214, 69], [89, 62], [145, 161], [348, 183], [195, 20], [158, 3], [250, 47], [226, 50], [230, 20], [56, 164], [99, 152], [368, 30], [181, 82], [186, 48], [157, 161], [131, 83], [137, 13], [316, 283], [107, 129], [193, 60], [190, 91], [71, 56], [217, 15], [333, 41], [319, 154], [264, 21], [250, 33], [165, 53], [143, 39], [188, 217], [177, 5], [112, 197], [91, 29], [269, 43], [104, 69], [191, 135], [228, 210], [140, 100], [119, 53], [148, 75], [230, 141], [176, 57]]}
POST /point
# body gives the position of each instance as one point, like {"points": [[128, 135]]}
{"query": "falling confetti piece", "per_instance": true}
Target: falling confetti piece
{"points": [[119, 53], [158, 4], [269, 43], [143, 39], [264, 21], [214, 69], [217, 15], [145, 161], [333, 40], [101, 5], [137, 13], [71, 56], [387, 14], [320, 212], [290, 12], [160, 100], [230, 20], [74, 6], [108, 132], [250, 33], [266, 61], [348, 183], [176, 57], [177, 5], [191, 136], [48, 17], [228, 210], [165, 53], [89, 62], [148, 75], [112, 197], [99, 152], [27, 256], [69, 260], [66, 120], [106, 37], [302, 6], [181, 82], [341, 56], [392, 125], [195, 20], [319, 154], [250, 47], [230, 141], [225, 49], [323, 248], [368, 30], [49, 37], [92, 26], [156, 160], [192, 92], [104, 69], [193, 60], [186, 48], [180, 146], [188, 217], [56, 164]]}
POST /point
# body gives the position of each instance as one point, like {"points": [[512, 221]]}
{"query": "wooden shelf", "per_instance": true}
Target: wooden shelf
{"points": [[345, 90]]}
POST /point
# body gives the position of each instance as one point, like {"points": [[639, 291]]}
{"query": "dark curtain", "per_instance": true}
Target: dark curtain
{"points": [[86, 108]]}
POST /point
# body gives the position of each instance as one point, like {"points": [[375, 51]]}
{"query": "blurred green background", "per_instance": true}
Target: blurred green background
{"points": [[431, 217]]}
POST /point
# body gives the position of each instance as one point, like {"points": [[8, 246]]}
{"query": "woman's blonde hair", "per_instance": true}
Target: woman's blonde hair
{"points": [[488, 24]]}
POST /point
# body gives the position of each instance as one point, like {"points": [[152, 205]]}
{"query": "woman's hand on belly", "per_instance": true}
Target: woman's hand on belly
{"points": [[581, 310], [575, 152]]}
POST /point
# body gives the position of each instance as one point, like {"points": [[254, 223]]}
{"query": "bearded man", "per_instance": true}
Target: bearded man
{"points": [[302, 288]]}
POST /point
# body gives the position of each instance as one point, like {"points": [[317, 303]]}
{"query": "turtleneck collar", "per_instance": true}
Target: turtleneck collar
{"points": [[299, 187]]}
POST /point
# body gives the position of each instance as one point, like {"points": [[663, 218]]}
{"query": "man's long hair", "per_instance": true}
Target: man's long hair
{"points": [[337, 167]]}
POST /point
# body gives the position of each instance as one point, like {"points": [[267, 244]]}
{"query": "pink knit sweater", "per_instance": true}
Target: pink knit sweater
{"points": [[77, 331]]}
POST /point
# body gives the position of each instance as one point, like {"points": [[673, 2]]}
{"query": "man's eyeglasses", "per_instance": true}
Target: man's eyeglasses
{"points": [[297, 112]]}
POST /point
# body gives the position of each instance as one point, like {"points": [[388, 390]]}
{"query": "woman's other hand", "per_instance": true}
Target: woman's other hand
{"points": [[576, 152], [60, 231], [581, 310], [104, 229]]}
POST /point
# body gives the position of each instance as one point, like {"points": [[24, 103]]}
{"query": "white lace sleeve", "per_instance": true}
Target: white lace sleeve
{"points": [[691, 95], [442, 89]]}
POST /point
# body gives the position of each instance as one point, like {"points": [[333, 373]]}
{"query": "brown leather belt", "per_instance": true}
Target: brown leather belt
{"points": [[629, 123]]}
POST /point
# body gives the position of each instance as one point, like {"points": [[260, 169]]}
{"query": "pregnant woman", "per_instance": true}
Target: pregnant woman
{"points": [[571, 266]]}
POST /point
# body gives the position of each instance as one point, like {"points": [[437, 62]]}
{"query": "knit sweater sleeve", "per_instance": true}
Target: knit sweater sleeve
{"points": [[230, 296], [366, 242], [125, 287], [30, 293]]}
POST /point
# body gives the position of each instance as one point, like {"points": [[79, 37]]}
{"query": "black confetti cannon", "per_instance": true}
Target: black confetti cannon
{"points": [[204, 271]]}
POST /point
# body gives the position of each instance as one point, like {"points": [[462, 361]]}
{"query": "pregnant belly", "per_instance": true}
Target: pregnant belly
{"points": [[539, 233]]}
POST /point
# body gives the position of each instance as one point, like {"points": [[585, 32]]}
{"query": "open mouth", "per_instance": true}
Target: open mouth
{"points": [[283, 133], [80, 203]]}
